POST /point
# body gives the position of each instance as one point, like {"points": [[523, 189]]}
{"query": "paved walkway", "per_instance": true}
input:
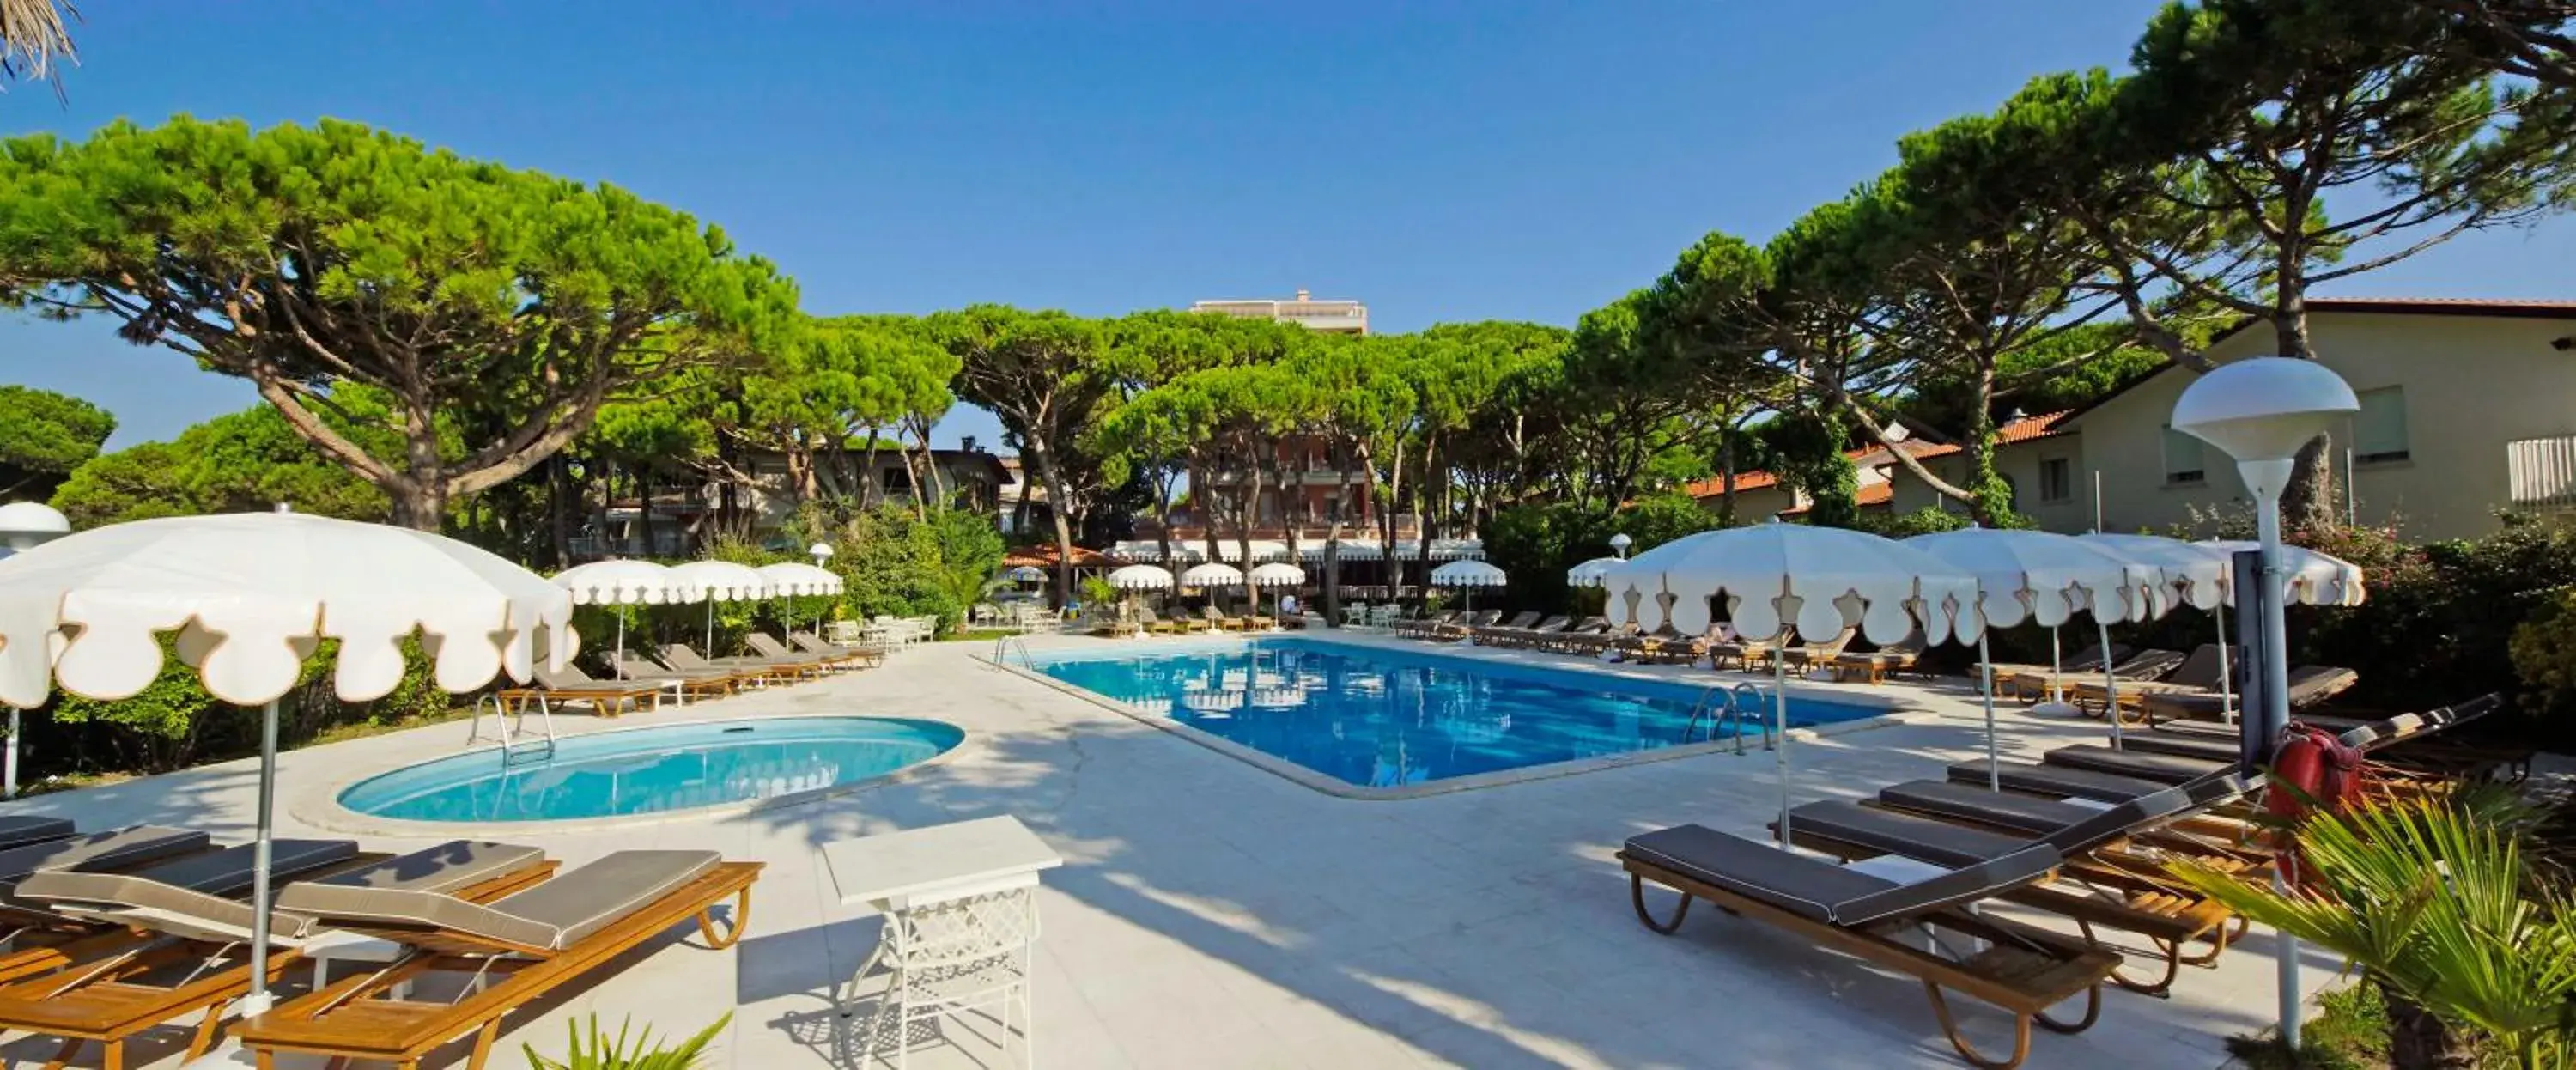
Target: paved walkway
{"points": [[1214, 915]]}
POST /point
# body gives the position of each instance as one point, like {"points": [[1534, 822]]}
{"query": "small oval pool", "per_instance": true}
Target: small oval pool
{"points": [[653, 770]]}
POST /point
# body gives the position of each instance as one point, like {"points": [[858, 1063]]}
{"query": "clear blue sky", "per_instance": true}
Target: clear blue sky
{"points": [[1441, 162]]}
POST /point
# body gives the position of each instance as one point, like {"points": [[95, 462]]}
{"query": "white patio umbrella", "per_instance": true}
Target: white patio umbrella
{"points": [[1212, 574], [787, 578], [1026, 574], [2200, 575], [721, 581], [1468, 574], [249, 596], [2315, 578], [1278, 576], [1589, 573], [623, 583], [2044, 578], [1140, 578], [1772, 577]]}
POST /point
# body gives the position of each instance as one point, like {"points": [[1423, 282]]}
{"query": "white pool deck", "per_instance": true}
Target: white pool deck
{"points": [[1212, 914]]}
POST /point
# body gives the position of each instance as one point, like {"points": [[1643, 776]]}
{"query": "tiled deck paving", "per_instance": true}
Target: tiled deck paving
{"points": [[1214, 915]]}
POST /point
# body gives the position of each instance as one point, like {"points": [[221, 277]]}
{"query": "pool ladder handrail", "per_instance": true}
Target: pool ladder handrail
{"points": [[508, 726], [1003, 645], [1732, 714]]}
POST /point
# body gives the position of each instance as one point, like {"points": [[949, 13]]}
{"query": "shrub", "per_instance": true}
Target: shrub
{"points": [[2544, 655], [173, 723]]}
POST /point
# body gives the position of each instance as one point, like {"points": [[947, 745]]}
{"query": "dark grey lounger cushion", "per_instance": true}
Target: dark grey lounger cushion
{"points": [[1821, 890], [2029, 814], [554, 915], [2182, 746], [17, 829], [115, 849], [2058, 780], [173, 908], [1905, 835], [2162, 768], [215, 873]]}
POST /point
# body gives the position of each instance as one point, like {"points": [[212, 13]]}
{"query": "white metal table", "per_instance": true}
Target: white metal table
{"points": [[961, 920]]}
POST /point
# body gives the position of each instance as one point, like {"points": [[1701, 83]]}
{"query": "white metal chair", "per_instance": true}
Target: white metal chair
{"points": [[970, 954]]}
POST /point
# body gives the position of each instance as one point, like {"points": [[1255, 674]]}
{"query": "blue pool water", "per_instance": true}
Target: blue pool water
{"points": [[653, 770], [1381, 718]]}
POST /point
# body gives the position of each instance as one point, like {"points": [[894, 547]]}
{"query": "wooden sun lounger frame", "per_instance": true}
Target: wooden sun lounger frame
{"points": [[2023, 982], [344, 1021], [102, 1006], [607, 698]]}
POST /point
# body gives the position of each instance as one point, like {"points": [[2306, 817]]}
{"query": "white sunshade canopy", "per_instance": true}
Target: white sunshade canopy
{"points": [[249, 595], [2046, 578], [1212, 574], [1590, 573], [1276, 574], [2199, 573], [1830, 578], [613, 583], [797, 577], [1025, 574], [722, 581], [1347, 550], [1457, 549], [2316, 579], [1140, 578], [1467, 574]]}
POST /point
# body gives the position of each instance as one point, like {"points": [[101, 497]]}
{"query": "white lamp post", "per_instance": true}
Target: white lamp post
{"points": [[24, 526], [1620, 543], [821, 552], [2262, 411]]}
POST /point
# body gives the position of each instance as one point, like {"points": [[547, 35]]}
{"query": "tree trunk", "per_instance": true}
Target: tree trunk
{"points": [[1045, 464], [1251, 514], [559, 503], [417, 506], [1726, 477], [1162, 520], [421, 504], [1989, 496], [644, 508], [2419, 1040]]}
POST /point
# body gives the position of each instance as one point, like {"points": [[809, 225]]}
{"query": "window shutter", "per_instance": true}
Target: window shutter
{"points": [[2379, 429]]}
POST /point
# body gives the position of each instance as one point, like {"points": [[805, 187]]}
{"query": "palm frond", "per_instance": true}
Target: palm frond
{"points": [[34, 35]]}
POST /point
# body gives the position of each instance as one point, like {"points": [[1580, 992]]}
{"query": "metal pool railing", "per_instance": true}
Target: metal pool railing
{"points": [[1738, 706]]}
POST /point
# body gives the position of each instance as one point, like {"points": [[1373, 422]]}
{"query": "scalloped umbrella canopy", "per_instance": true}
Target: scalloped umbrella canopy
{"points": [[2201, 573], [799, 578], [1467, 573], [1348, 550], [2316, 579], [1140, 578], [1457, 549], [250, 593], [1212, 574], [721, 581], [1276, 574], [623, 582], [1590, 573], [1840, 579], [1025, 574], [2047, 578]]}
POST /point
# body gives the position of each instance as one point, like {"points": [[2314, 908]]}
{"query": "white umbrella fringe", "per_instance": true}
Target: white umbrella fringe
{"points": [[721, 581]]}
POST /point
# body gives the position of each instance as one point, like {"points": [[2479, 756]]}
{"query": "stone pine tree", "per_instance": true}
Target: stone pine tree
{"points": [[43, 437], [307, 260], [1047, 376]]}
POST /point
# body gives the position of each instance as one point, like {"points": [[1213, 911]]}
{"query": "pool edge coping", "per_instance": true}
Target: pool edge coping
{"points": [[320, 807], [1898, 711]]}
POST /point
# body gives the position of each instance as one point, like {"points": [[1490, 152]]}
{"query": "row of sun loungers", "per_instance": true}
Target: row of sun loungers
{"points": [[682, 673], [119, 932], [2082, 835], [1210, 619]]}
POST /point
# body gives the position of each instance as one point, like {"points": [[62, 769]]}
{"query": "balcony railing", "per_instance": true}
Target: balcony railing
{"points": [[2541, 473]]}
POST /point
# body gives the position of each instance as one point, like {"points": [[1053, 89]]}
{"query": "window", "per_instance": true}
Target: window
{"points": [[2379, 429], [2056, 480], [2182, 459], [897, 481]]}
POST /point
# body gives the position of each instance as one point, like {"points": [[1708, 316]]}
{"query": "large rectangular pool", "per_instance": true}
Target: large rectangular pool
{"points": [[1373, 717]]}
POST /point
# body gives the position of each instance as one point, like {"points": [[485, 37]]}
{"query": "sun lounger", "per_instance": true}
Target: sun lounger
{"points": [[1423, 626], [1462, 626], [1877, 664], [170, 902], [2143, 765], [112, 991], [764, 645], [681, 657], [2309, 685], [1581, 637], [2058, 780], [1219, 620], [2108, 895], [570, 686], [2028, 681], [39, 939], [19, 830], [1808, 656], [533, 941], [1522, 636], [1501, 633], [699, 682], [860, 654], [2022, 970]]}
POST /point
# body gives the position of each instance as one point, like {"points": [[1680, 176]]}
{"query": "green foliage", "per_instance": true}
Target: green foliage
{"points": [[504, 305], [2544, 654], [1534, 545], [891, 564], [2440, 622], [603, 1052], [44, 436], [173, 723], [245, 462], [1928, 520], [2438, 905], [970, 555]]}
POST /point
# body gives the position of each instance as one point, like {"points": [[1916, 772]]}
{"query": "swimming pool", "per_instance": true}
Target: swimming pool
{"points": [[1373, 717], [653, 770]]}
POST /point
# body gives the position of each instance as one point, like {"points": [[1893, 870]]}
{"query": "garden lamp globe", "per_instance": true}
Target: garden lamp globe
{"points": [[821, 552], [1620, 543], [2263, 411]]}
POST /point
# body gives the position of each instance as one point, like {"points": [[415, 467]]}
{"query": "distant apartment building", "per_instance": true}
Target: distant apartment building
{"points": [[1329, 315]]}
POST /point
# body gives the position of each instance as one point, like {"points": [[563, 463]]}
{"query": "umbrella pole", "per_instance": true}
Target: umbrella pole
{"points": [[9, 771], [1780, 744], [2056, 667], [2110, 680], [258, 1001], [2226, 677], [617, 656], [1986, 672], [711, 627]]}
